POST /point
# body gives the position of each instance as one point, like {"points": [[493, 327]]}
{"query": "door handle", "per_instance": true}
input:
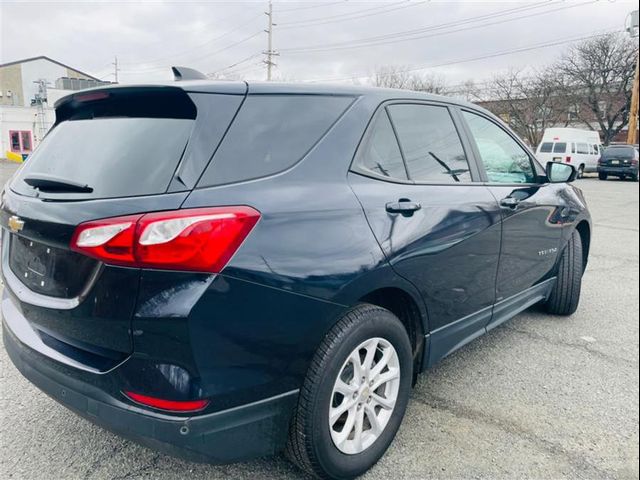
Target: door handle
{"points": [[403, 206], [510, 202]]}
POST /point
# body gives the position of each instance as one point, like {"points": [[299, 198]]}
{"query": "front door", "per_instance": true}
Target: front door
{"points": [[438, 227], [532, 219]]}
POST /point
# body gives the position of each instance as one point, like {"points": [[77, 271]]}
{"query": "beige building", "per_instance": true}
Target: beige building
{"points": [[28, 90]]}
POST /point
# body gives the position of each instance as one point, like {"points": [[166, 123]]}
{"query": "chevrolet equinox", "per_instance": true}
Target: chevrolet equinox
{"points": [[227, 270]]}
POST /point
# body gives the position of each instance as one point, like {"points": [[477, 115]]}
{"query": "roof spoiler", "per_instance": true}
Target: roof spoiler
{"points": [[185, 73]]}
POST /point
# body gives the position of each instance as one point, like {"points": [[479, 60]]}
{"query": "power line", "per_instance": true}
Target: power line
{"points": [[197, 47], [210, 54], [309, 7], [473, 59], [429, 28], [391, 39], [350, 16], [228, 67]]}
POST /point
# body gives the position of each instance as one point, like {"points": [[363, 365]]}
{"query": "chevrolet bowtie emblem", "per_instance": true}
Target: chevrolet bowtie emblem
{"points": [[15, 224]]}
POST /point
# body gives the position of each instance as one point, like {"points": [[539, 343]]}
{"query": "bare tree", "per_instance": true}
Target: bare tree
{"points": [[529, 103], [390, 76], [396, 77], [599, 73]]}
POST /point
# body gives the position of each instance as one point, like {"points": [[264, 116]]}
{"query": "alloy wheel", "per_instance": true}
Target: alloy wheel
{"points": [[364, 395]]}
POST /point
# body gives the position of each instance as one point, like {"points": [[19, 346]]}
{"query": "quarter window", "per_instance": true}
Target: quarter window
{"points": [[504, 160], [379, 152], [430, 143]]}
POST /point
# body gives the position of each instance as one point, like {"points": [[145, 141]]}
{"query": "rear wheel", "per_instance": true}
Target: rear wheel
{"points": [[602, 175], [354, 397], [580, 171], [565, 295]]}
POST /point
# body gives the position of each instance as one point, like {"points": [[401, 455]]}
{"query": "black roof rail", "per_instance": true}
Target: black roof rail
{"points": [[185, 73]]}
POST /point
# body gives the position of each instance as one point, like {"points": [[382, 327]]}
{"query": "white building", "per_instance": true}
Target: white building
{"points": [[29, 89]]}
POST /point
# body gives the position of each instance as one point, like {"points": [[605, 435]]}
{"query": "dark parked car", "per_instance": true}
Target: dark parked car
{"points": [[222, 271], [619, 161]]}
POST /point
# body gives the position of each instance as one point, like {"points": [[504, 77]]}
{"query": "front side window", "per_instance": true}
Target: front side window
{"points": [[379, 152], [546, 147], [504, 160], [430, 143]]}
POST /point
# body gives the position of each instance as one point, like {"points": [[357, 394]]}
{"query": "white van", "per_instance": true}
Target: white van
{"points": [[580, 148]]}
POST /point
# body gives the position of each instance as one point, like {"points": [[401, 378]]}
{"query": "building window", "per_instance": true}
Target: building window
{"points": [[20, 141]]}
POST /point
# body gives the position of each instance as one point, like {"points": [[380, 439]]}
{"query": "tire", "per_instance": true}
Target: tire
{"points": [[565, 295], [311, 445], [580, 171], [602, 175]]}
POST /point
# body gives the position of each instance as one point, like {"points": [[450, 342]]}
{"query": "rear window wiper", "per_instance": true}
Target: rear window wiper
{"points": [[50, 183]]}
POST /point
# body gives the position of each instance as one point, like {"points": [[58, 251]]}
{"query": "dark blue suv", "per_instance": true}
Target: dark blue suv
{"points": [[228, 270]]}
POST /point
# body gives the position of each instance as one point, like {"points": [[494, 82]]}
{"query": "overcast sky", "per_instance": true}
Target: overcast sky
{"points": [[330, 41]]}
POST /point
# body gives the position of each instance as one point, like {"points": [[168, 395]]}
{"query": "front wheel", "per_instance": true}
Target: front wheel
{"points": [[580, 171], [602, 175], [354, 396], [565, 295]]}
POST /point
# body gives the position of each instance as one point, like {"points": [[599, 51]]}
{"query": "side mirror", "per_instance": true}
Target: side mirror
{"points": [[560, 172]]}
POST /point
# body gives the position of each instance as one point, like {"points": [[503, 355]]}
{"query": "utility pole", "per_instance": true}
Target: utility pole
{"points": [[115, 68], [633, 114], [270, 52]]}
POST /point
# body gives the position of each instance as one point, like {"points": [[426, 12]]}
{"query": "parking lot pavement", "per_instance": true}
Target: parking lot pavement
{"points": [[540, 397]]}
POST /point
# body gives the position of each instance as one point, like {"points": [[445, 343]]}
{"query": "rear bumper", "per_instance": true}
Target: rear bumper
{"points": [[627, 171], [247, 431]]}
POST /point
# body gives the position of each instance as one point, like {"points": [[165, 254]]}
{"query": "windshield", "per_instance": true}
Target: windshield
{"points": [[115, 157]]}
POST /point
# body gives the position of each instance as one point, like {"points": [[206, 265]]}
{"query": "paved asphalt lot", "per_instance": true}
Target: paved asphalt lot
{"points": [[540, 397]]}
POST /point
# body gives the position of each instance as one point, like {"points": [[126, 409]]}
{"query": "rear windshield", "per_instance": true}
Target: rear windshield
{"points": [[560, 148], [121, 143], [618, 152], [546, 147], [116, 157]]}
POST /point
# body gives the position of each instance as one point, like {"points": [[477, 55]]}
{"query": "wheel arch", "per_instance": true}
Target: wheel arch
{"points": [[404, 306], [584, 229]]}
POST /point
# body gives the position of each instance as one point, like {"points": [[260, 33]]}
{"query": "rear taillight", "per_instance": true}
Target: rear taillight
{"points": [[168, 405], [567, 159], [198, 239]]}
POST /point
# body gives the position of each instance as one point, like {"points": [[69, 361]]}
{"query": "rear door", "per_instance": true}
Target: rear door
{"points": [[111, 153], [532, 221], [438, 227]]}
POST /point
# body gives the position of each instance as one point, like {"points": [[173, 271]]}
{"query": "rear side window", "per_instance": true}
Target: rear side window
{"points": [[560, 147], [430, 143], [272, 133], [379, 152], [546, 147], [583, 148]]}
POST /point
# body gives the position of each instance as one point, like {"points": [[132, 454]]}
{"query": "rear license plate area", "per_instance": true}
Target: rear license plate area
{"points": [[49, 270]]}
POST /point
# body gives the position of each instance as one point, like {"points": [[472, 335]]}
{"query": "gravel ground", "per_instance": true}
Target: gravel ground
{"points": [[540, 397]]}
